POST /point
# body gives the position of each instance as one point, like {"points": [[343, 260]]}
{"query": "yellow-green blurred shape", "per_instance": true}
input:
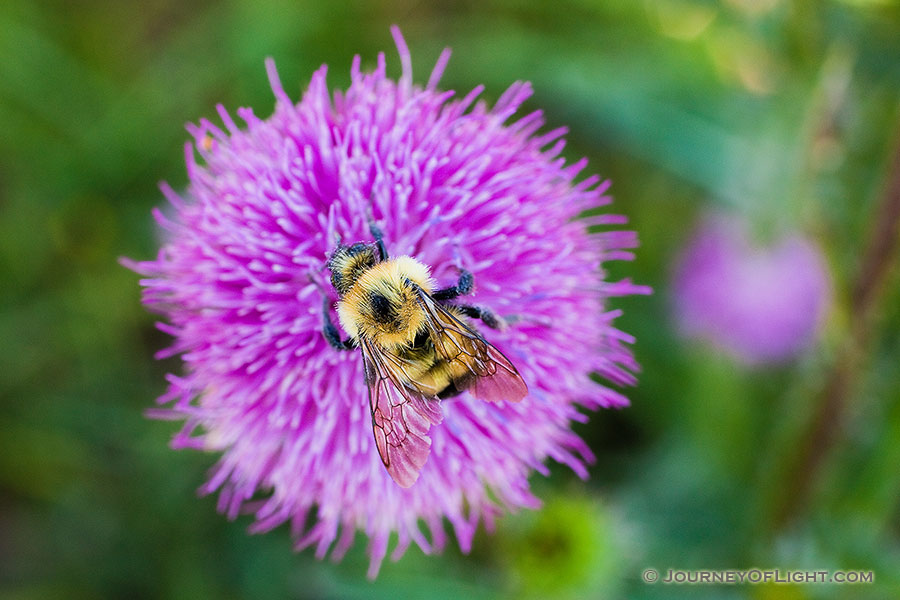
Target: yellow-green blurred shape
{"points": [[678, 19], [773, 591], [754, 8], [741, 58], [568, 549]]}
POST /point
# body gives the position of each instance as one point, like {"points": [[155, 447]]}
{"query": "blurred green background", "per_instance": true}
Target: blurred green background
{"points": [[785, 110]]}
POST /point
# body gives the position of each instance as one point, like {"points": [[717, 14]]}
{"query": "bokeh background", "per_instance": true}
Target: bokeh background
{"points": [[786, 112]]}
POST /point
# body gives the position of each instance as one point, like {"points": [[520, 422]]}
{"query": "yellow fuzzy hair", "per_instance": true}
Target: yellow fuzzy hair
{"points": [[387, 279]]}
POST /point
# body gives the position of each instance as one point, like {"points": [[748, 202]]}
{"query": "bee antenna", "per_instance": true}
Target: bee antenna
{"points": [[370, 216], [314, 281], [457, 256], [546, 321]]}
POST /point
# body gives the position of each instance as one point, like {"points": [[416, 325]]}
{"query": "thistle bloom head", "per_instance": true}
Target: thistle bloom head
{"points": [[759, 303], [455, 184]]}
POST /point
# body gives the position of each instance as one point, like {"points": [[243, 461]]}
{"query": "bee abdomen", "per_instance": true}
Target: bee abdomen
{"points": [[456, 386], [444, 379]]}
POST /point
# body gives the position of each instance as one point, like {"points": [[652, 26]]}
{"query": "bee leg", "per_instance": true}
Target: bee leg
{"points": [[331, 333], [463, 286], [485, 315], [379, 241]]}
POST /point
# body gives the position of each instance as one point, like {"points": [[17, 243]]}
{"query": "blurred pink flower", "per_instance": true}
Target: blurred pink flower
{"points": [[761, 304], [454, 184]]}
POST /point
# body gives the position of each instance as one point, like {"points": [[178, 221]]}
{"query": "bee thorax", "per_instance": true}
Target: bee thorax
{"points": [[382, 309]]}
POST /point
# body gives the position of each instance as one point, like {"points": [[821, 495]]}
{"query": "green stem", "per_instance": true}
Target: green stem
{"points": [[825, 427]]}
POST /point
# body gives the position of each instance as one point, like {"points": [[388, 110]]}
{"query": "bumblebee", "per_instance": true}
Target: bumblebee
{"points": [[418, 348]]}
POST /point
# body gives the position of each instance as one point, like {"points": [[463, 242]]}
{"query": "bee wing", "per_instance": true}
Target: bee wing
{"points": [[401, 417], [496, 378]]}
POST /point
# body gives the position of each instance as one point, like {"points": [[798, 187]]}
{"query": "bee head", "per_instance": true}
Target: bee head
{"points": [[347, 263]]}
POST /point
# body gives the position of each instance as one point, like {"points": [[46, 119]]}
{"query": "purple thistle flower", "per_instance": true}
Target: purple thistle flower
{"points": [[451, 182], [761, 304]]}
